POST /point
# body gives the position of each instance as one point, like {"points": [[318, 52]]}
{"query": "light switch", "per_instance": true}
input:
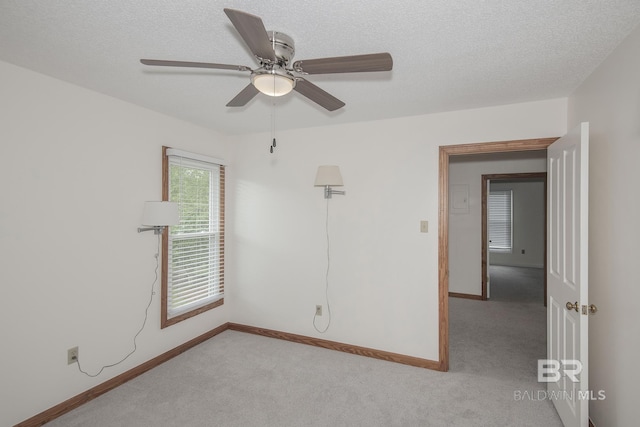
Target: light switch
{"points": [[424, 226]]}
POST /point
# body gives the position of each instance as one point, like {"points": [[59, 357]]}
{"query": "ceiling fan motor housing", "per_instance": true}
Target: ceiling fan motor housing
{"points": [[283, 46]]}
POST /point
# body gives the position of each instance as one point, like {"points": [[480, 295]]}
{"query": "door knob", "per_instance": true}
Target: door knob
{"points": [[573, 306]]}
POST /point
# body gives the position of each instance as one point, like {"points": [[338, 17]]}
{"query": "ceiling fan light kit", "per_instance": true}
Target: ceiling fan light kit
{"points": [[273, 83], [274, 76]]}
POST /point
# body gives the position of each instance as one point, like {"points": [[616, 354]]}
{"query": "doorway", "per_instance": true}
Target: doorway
{"points": [[528, 227], [443, 228]]}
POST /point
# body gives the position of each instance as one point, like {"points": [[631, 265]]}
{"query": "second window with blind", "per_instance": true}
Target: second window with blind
{"points": [[193, 250], [500, 220]]}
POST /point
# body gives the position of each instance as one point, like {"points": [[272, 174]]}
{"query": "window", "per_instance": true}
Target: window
{"points": [[500, 220], [193, 250]]}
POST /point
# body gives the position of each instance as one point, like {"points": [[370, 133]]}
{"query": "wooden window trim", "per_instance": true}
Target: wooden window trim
{"points": [[165, 321]]}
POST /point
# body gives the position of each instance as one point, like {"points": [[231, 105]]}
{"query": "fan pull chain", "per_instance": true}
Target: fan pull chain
{"points": [[273, 104], [273, 122]]}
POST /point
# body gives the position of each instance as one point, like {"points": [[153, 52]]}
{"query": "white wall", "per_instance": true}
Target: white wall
{"points": [[465, 229], [76, 167], [384, 276], [610, 101], [528, 224]]}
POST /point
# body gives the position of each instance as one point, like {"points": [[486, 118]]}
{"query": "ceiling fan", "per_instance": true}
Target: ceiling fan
{"points": [[275, 76]]}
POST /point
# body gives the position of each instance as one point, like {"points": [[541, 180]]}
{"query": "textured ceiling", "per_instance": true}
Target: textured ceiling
{"points": [[448, 55]]}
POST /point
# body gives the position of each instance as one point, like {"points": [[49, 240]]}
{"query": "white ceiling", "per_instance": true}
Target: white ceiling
{"points": [[448, 55]]}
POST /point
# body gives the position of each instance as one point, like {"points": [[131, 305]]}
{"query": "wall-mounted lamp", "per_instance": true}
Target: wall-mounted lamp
{"points": [[158, 215], [327, 177]]}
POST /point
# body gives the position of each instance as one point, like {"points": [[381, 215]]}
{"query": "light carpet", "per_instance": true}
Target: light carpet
{"points": [[239, 379]]}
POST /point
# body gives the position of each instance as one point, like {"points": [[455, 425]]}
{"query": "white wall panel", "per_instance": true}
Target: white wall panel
{"points": [[76, 168], [610, 101]]}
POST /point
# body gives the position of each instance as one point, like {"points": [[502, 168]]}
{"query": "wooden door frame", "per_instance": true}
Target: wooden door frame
{"points": [[537, 176], [443, 221]]}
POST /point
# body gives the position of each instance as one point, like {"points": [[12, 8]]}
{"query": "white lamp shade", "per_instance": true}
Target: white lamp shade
{"points": [[160, 213], [328, 175]]}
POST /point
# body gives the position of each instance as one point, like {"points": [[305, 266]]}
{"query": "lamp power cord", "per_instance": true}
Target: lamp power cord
{"points": [[326, 277], [144, 322]]}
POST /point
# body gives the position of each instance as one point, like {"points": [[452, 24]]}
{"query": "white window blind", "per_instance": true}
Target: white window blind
{"points": [[195, 273], [500, 220]]}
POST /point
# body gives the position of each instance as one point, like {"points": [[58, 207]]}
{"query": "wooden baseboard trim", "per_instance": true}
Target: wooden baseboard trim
{"points": [[92, 393], [467, 296], [84, 397], [332, 345]]}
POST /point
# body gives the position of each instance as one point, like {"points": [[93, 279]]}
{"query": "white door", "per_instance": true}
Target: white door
{"points": [[567, 276]]}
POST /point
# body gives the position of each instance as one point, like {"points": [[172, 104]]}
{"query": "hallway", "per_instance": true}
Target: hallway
{"points": [[503, 338]]}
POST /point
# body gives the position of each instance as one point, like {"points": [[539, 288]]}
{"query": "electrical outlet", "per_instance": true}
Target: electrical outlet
{"points": [[318, 310], [72, 355]]}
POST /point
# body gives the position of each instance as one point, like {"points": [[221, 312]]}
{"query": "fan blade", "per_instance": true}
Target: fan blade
{"points": [[163, 63], [317, 95], [252, 31], [244, 96], [345, 64]]}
